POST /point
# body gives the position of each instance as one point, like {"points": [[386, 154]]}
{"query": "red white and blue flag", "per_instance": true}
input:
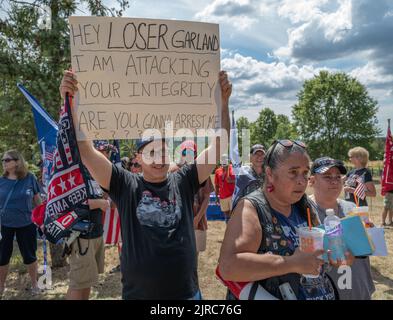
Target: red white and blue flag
{"points": [[67, 188], [360, 189], [111, 222]]}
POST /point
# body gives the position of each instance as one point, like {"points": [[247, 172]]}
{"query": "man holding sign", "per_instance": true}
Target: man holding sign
{"points": [[158, 253], [155, 208]]}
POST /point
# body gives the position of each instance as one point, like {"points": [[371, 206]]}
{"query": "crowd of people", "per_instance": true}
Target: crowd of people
{"points": [[162, 207]]}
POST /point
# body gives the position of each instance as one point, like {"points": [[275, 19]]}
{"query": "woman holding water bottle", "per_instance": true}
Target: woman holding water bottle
{"points": [[327, 183], [19, 190], [261, 242]]}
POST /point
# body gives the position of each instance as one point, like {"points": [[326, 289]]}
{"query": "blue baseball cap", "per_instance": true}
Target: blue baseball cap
{"points": [[322, 165]]}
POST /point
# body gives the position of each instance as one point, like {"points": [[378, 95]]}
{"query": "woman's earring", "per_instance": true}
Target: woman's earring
{"points": [[270, 188]]}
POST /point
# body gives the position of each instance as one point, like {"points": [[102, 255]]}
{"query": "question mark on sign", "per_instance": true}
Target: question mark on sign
{"points": [[127, 133]]}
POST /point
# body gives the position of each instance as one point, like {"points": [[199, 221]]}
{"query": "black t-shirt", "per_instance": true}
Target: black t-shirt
{"points": [[158, 258], [351, 182], [93, 217]]}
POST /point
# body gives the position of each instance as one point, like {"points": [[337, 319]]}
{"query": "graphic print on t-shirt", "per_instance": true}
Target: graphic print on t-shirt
{"points": [[153, 212]]}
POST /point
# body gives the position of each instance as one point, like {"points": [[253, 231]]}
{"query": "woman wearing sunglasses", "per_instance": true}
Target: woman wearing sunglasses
{"points": [[19, 191], [261, 242]]}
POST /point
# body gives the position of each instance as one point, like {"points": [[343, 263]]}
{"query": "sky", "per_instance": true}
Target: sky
{"points": [[269, 47]]}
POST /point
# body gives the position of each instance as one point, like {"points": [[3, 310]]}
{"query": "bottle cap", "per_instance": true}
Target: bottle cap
{"points": [[330, 212]]}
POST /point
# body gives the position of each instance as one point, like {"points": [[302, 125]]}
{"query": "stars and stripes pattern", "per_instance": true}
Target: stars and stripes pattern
{"points": [[67, 188], [111, 222], [360, 189]]}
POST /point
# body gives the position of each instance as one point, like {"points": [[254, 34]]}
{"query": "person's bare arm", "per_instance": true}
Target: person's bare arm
{"points": [[204, 160], [37, 200], [98, 165], [239, 260], [98, 204], [202, 209], [370, 192]]}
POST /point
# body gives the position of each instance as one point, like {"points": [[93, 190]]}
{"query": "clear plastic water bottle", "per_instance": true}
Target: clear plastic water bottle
{"points": [[334, 233]]}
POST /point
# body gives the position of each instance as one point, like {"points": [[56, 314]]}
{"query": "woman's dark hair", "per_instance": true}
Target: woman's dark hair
{"points": [[277, 153]]}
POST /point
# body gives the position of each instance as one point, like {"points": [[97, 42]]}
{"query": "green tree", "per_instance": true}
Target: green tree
{"points": [[285, 129], [35, 57], [264, 128], [335, 113], [241, 124]]}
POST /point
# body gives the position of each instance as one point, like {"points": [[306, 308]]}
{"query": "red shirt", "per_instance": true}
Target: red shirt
{"points": [[225, 181]]}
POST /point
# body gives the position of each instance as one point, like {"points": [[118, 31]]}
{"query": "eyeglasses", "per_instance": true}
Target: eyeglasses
{"points": [[287, 144], [135, 164], [8, 160]]}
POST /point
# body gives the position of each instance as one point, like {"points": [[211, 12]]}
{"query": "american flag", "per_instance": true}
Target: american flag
{"points": [[67, 188], [360, 189], [111, 222]]}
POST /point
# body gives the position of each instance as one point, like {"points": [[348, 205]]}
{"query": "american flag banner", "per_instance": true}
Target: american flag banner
{"points": [[360, 189], [111, 222], [67, 187]]}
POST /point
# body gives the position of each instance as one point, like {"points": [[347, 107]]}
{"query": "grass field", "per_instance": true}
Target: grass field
{"points": [[109, 286]]}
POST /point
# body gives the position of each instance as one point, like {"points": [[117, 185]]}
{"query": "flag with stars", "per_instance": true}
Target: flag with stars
{"points": [[67, 188]]}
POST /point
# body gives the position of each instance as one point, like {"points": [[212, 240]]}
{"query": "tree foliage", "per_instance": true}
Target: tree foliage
{"points": [[264, 128], [335, 113], [35, 57]]}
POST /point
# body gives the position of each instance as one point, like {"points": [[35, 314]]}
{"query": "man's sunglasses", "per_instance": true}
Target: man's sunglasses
{"points": [[135, 164], [8, 160], [287, 144]]}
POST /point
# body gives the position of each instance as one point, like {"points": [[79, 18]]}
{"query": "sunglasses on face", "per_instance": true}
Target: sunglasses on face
{"points": [[135, 164], [6, 160], [287, 144]]}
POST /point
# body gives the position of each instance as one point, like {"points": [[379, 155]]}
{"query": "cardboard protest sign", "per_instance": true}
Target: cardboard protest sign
{"points": [[138, 74]]}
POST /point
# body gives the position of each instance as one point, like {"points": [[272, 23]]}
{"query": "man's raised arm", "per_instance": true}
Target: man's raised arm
{"points": [[98, 165], [205, 165]]}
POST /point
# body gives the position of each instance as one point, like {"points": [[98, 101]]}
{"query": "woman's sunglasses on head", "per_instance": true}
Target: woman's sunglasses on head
{"points": [[287, 144]]}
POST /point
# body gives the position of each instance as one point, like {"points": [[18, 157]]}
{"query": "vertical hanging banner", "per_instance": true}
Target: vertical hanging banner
{"points": [[138, 74]]}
